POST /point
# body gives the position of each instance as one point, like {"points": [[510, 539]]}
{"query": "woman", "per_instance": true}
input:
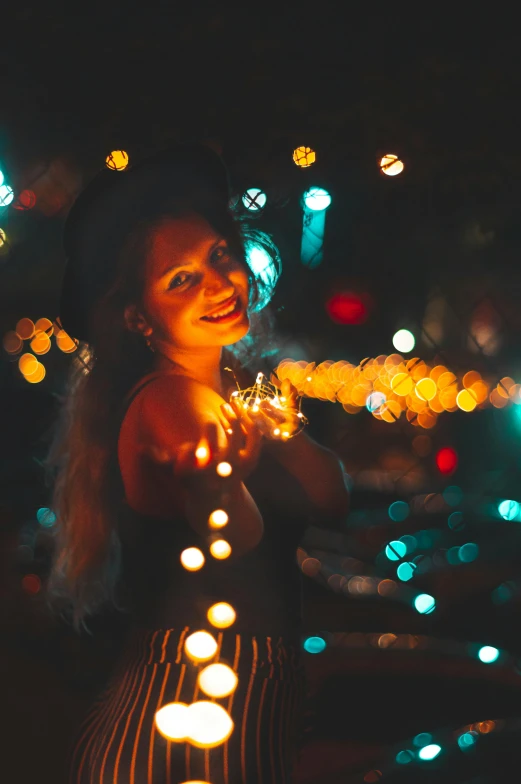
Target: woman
{"points": [[157, 285]]}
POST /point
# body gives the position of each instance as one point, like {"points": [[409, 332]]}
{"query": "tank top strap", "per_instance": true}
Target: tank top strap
{"points": [[137, 388]]}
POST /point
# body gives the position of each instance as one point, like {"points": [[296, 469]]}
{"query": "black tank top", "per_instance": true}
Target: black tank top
{"points": [[264, 586]]}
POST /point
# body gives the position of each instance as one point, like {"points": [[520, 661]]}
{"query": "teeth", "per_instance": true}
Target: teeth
{"points": [[223, 312]]}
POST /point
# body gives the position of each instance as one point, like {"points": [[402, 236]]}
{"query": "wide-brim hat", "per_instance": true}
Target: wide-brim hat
{"points": [[112, 204]]}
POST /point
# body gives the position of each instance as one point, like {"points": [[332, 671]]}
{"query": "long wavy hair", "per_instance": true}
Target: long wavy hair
{"points": [[82, 462]]}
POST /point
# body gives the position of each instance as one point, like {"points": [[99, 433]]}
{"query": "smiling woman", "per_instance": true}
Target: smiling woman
{"points": [[156, 286]]}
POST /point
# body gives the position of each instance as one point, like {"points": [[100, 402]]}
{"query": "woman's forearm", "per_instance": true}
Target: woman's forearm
{"points": [[317, 469]]}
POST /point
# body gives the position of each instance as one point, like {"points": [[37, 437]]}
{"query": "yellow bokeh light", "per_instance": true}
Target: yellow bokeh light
{"points": [[466, 400], [37, 376], [12, 342], [426, 389], [25, 328], [218, 518], [41, 343], [3, 237], [304, 157], [224, 469], [173, 721], [28, 364], [44, 325], [192, 559], [210, 724], [200, 646], [221, 615], [391, 165], [390, 411], [64, 342], [402, 384], [217, 680], [220, 549], [117, 160], [437, 371]]}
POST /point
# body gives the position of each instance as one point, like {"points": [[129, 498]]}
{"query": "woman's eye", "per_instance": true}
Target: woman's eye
{"points": [[220, 253], [178, 280]]}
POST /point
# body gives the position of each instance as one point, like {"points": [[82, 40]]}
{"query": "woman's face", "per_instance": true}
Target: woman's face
{"points": [[195, 292]]}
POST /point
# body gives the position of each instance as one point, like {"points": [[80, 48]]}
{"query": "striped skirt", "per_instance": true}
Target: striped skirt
{"points": [[118, 741]]}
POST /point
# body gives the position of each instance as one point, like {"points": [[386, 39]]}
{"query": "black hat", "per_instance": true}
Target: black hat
{"points": [[112, 204]]}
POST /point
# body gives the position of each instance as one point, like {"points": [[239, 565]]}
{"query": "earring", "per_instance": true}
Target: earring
{"points": [[147, 339]]}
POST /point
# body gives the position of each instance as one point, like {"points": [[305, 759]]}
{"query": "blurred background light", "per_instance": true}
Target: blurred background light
{"points": [[117, 160], [403, 341], [317, 199], [46, 517], [423, 739], [391, 165], [346, 308], [466, 740], [455, 521], [374, 401], [6, 195], [395, 550], [398, 511], [254, 199], [447, 460], [424, 603], [406, 571], [508, 510], [314, 644], [468, 552], [452, 495], [304, 157], [488, 654], [3, 237], [429, 752], [404, 757]]}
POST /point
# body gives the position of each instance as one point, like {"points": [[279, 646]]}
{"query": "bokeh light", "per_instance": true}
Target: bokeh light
{"points": [[314, 644], [209, 724], [395, 550], [466, 740], [220, 549], [317, 199], [405, 571], [25, 328], [6, 195], [425, 604], [12, 342], [488, 654], [117, 160], [455, 521], [429, 752], [25, 201], [221, 615], [399, 511], [192, 559], [31, 584], [218, 518], [452, 495], [404, 341], [422, 739], [254, 199], [447, 460], [404, 757], [3, 237], [346, 308], [468, 552], [391, 165], [304, 157], [508, 510], [217, 680], [46, 517], [200, 646], [173, 721]]}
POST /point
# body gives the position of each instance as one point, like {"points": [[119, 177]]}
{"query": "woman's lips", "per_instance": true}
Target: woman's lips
{"points": [[233, 314]]}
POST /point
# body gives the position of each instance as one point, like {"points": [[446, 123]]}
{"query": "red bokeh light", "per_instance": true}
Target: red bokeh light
{"points": [[347, 308], [447, 460], [31, 583], [25, 201]]}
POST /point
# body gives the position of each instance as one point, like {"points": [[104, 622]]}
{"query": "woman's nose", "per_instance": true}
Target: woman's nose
{"points": [[218, 283]]}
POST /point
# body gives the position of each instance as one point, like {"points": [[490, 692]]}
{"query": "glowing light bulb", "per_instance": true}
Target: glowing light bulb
{"points": [[218, 518], [224, 469], [217, 680], [192, 559], [220, 549], [200, 646], [221, 615], [210, 724], [172, 721]]}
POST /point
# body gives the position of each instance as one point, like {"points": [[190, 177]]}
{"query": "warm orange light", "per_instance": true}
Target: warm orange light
{"points": [[390, 411], [466, 400], [304, 157], [426, 389], [41, 343], [218, 518], [505, 385], [217, 680], [210, 724], [117, 160], [25, 328], [200, 646], [402, 384], [44, 325], [28, 364], [220, 549], [37, 376], [221, 615], [172, 721], [391, 165], [192, 559], [12, 342], [64, 342], [224, 469]]}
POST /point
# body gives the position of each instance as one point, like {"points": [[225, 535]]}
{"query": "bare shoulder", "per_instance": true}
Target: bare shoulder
{"points": [[174, 408]]}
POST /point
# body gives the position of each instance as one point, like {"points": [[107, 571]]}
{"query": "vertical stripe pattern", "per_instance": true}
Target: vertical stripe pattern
{"points": [[118, 742]]}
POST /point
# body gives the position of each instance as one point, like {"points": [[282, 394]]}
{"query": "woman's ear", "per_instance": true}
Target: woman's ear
{"points": [[135, 321]]}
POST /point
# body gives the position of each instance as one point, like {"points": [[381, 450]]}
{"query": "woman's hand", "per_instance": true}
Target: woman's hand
{"points": [[281, 421], [240, 447]]}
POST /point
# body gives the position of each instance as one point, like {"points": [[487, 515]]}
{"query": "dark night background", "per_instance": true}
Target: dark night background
{"points": [[436, 250]]}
